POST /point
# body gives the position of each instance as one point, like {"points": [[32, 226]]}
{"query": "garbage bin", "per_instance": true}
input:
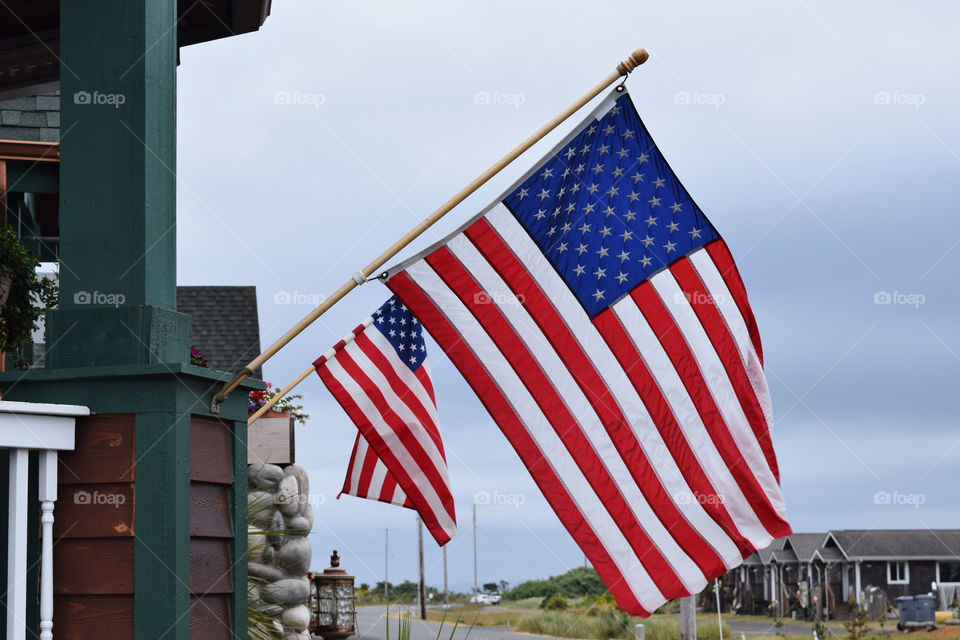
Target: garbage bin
{"points": [[908, 611], [926, 608]]}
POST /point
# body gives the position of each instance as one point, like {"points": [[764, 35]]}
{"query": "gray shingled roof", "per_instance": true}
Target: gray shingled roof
{"points": [[804, 544], [32, 118], [226, 327], [829, 554], [899, 543], [767, 552]]}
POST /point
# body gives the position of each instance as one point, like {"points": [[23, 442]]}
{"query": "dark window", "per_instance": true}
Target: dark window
{"points": [[949, 571]]}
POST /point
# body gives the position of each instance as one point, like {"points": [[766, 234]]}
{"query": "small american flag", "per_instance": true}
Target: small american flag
{"points": [[601, 320], [380, 376]]}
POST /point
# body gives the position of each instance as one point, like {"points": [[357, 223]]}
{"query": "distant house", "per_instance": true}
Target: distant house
{"points": [[820, 573]]}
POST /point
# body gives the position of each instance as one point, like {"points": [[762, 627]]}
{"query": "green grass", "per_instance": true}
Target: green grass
{"points": [[478, 614], [526, 603], [610, 626]]}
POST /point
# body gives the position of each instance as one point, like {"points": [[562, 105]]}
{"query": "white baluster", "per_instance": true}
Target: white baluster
{"points": [[48, 495], [17, 546]]}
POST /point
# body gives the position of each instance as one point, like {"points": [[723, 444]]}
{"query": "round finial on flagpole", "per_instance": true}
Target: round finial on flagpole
{"points": [[636, 59]]}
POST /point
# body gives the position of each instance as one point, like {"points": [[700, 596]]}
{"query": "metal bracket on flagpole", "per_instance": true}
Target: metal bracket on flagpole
{"points": [[239, 377]]}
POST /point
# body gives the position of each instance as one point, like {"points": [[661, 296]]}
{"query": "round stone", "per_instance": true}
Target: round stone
{"points": [[264, 571], [294, 557], [271, 610], [277, 530], [260, 507], [287, 591], [287, 498], [264, 476], [296, 618], [303, 481], [256, 543], [298, 526]]}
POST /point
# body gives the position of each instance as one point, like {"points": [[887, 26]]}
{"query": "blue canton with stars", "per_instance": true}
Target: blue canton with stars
{"points": [[608, 211], [402, 331]]}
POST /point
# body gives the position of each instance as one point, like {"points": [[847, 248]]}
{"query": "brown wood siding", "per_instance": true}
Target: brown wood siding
{"points": [[210, 510], [80, 565], [93, 617], [104, 451], [94, 511], [211, 533], [93, 531], [210, 617], [210, 566]]}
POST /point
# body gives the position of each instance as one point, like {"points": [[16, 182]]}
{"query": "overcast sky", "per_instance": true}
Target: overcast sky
{"points": [[821, 138]]}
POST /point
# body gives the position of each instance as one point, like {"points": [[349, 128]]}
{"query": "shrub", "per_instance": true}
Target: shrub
{"points": [[556, 602]]}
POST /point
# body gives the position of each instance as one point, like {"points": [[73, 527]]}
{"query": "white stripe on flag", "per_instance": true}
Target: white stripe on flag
{"points": [[728, 309], [688, 418], [719, 384], [606, 365], [579, 406], [551, 447]]}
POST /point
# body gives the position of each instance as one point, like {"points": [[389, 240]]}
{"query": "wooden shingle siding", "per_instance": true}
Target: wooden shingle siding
{"points": [[210, 617], [211, 531], [93, 617], [93, 531]]}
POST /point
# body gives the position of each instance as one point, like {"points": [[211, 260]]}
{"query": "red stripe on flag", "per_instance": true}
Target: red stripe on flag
{"points": [[506, 264], [427, 383], [353, 461], [504, 415], [646, 386], [672, 340], [721, 257], [718, 332], [557, 413]]}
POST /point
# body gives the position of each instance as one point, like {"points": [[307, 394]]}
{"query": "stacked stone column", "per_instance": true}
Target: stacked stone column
{"points": [[280, 517]]}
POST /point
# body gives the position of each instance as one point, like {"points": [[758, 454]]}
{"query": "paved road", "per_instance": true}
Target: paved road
{"points": [[372, 626]]}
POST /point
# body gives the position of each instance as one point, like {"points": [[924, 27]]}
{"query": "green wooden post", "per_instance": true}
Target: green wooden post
{"points": [[116, 344], [118, 187]]}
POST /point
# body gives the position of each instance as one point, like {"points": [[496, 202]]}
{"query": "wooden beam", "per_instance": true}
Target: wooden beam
{"points": [[30, 151]]}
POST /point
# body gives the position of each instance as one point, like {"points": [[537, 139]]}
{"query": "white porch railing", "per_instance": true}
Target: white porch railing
{"points": [[47, 428]]}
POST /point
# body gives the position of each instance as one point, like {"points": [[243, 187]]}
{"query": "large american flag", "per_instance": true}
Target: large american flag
{"points": [[601, 320], [380, 376]]}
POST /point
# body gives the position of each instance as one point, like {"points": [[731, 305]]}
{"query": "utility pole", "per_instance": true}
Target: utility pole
{"points": [[423, 582], [446, 593], [688, 618], [475, 549], [386, 564]]}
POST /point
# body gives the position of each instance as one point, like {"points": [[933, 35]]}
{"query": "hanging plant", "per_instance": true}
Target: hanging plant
{"points": [[28, 296]]}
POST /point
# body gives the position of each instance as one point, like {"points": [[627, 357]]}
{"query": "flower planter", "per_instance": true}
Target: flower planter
{"points": [[270, 439]]}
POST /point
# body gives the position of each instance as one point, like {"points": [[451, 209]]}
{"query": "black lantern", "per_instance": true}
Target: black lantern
{"points": [[334, 605]]}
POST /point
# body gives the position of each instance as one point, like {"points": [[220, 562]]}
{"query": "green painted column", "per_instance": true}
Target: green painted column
{"points": [[118, 187]]}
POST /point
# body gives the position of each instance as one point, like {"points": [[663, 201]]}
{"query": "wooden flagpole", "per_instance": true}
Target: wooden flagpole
{"points": [[636, 58]]}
